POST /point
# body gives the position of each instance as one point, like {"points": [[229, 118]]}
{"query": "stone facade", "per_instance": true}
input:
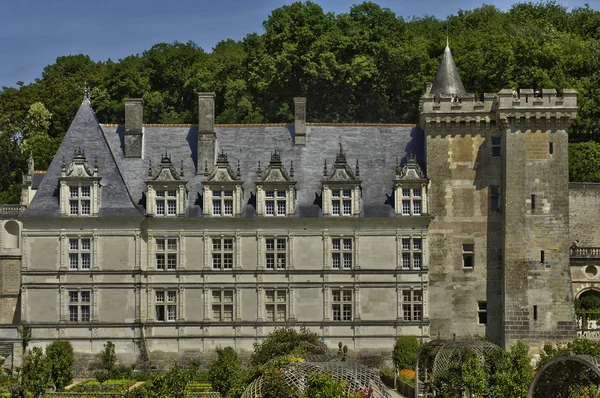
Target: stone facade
{"points": [[204, 236]]}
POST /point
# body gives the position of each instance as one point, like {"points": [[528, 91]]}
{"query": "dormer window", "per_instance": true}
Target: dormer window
{"points": [[165, 190], [275, 189], [223, 193], [411, 189], [79, 187], [341, 188]]}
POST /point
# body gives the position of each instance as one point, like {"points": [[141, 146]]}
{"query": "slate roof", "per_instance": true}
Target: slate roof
{"points": [[447, 80], [377, 149], [84, 133]]}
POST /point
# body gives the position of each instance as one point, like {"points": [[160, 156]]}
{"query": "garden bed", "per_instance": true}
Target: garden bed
{"points": [[199, 386], [111, 385]]}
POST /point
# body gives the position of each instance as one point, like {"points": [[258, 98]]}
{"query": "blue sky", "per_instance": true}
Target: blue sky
{"points": [[33, 33]]}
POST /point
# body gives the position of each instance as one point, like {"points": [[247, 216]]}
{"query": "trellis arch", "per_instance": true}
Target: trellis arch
{"points": [[357, 377], [567, 376], [435, 357]]}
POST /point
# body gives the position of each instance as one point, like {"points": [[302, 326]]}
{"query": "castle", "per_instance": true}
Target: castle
{"points": [[174, 238]]}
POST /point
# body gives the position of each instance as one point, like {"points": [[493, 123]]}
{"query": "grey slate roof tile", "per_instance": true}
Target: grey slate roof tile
{"points": [[84, 133], [376, 148]]}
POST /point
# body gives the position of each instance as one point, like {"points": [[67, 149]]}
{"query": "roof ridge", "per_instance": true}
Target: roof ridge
{"points": [[224, 125]]}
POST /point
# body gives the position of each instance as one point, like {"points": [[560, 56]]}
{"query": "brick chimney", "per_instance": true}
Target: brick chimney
{"points": [[134, 130], [299, 120], [207, 139]]}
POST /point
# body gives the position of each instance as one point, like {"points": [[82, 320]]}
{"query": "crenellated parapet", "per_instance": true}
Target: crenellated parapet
{"points": [[445, 111], [536, 109]]}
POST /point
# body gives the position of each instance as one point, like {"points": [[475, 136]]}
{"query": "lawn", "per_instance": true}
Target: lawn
{"points": [[111, 385]]}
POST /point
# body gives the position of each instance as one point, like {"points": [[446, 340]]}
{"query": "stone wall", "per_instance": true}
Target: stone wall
{"points": [[584, 214]]}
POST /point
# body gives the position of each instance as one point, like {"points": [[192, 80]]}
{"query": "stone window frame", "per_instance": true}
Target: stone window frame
{"points": [[277, 252], [169, 307], [413, 197], [495, 198], [66, 199], [342, 304], [167, 252], [225, 200], [496, 146], [276, 304], [342, 253], [236, 198], [468, 255], [75, 301], [334, 192], [222, 252], [223, 304], [412, 304], [482, 312], [80, 253], [412, 249], [153, 190]]}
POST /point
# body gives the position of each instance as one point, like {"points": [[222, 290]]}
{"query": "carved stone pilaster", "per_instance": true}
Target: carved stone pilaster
{"points": [[181, 254], [326, 304], [138, 250], [95, 303], [206, 241], [95, 247], [290, 264], [326, 251], [206, 296], [181, 303]]}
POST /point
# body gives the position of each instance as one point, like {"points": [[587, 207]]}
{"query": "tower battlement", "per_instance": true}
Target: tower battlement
{"points": [[441, 111], [529, 108]]}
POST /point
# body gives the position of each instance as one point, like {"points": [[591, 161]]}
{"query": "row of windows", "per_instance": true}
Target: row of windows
{"points": [[223, 308], [276, 253]]}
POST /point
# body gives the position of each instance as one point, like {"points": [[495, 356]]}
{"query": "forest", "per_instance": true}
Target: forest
{"points": [[365, 65]]}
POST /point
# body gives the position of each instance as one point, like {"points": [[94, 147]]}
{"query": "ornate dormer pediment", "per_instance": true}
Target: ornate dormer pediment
{"points": [[222, 172], [79, 167], [275, 192], [341, 171], [275, 172], [166, 193], [79, 187], [411, 171], [166, 171]]}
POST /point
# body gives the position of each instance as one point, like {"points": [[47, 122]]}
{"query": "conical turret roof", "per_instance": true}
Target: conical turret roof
{"points": [[447, 80]]}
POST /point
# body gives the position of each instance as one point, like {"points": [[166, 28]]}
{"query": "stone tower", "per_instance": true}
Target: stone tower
{"points": [[538, 300], [484, 169]]}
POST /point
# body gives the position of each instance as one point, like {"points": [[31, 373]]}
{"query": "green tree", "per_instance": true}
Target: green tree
{"points": [[225, 372], [513, 373], [35, 373], [274, 385], [282, 342], [474, 378], [60, 359], [584, 162], [172, 384], [405, 352], [108, 357], [36, 140], [322, 385]]}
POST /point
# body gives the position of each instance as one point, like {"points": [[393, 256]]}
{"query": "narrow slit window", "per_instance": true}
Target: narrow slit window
{"points": [[551, 147], [532, 202], [542, 257], [535, 313]]}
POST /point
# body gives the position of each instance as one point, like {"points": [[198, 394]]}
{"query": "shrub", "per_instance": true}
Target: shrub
{"points": [[284, 342], [108, 357], [224, 372], [387, 377], [101, 376], [405, 352], [60, 359], [35, 373], [274, 386]]}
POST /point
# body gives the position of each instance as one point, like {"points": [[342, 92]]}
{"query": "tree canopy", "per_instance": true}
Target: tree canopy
{"points": [[365, 65]]}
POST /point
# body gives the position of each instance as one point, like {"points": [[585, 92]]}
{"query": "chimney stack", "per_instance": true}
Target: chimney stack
{"points": [[134, 131], [299, 120], [207, 139]]}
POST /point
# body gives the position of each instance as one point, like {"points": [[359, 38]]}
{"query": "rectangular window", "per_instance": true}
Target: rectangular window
{"points": [[412, 253], [166, 305], [416, 207], [532, 203], [341, 307], [79, 201], [482, 312], [222, 305], [341, 253], [406, 207], [542, 257], [468, 255], [222, 204], [550, 148], [341, 202], [494, 197], [496, 147], [276, 203], [80, 253], [222, 253], [275, 253], [166, 254], [276, 305], [412, 305], [171, 207], [79, 305]]}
